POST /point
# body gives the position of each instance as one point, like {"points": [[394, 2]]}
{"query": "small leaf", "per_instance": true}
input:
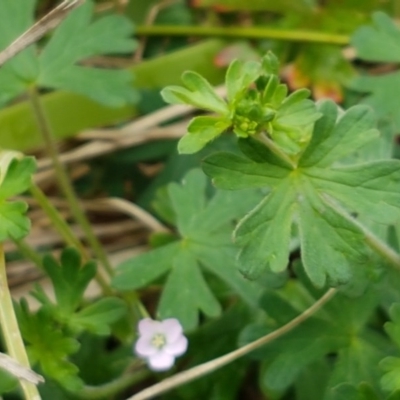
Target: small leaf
{"points": [[201, 130], [198, 93], [49, 346], [240, 76], [69, 279]]}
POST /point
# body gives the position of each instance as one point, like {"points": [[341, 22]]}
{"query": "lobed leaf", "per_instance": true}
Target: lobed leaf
{"points": [[333, 138], [204, 228], [79, 38], [314, 196], [201, 130], [182, 300], [13, 222], [69, 279], [49, 346]]}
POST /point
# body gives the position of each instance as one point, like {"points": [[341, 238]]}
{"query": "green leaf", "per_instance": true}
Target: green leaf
{"points": [[18, 177], [391, 365], [7, 382], [140, 271], [183, 301], [201, 130], [80, 39], [266, 243], [204, 228], [13, 222], [49, 346], [318, 196], [391, 380], [380, 42], [98, 317], [198, 93], [69, 279], [336, 337], [332, 140], [346, 391], [239, 76]]}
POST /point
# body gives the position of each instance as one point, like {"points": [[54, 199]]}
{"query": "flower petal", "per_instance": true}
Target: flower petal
{"points": [[147, 327], [144, 347], [161, 361], [178, 347], [172, 329]]}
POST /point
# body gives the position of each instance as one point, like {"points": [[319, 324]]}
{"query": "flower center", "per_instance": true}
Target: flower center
{"points": [[158, 340]]}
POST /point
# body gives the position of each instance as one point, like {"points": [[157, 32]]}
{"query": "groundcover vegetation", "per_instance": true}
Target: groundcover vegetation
{"points": [[199, 200]]}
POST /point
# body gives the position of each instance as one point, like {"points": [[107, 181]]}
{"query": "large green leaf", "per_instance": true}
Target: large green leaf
{"points": [[204, 228], [318, 195]]}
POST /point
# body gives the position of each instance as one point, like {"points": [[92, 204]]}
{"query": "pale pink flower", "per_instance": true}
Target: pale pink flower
{"points": [[160, 342]]}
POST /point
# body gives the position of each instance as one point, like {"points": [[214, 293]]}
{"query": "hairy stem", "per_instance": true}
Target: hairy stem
{"points": [[244, 33], [11, 332], [64, 182], [210, 366]]}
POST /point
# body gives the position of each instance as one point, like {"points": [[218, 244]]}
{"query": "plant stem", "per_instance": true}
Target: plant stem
{"points": [[210, 366], [110, 389], [11, 332], [245, 33], [65, 231], [64, 182], [263, 138], [58, 221]]}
